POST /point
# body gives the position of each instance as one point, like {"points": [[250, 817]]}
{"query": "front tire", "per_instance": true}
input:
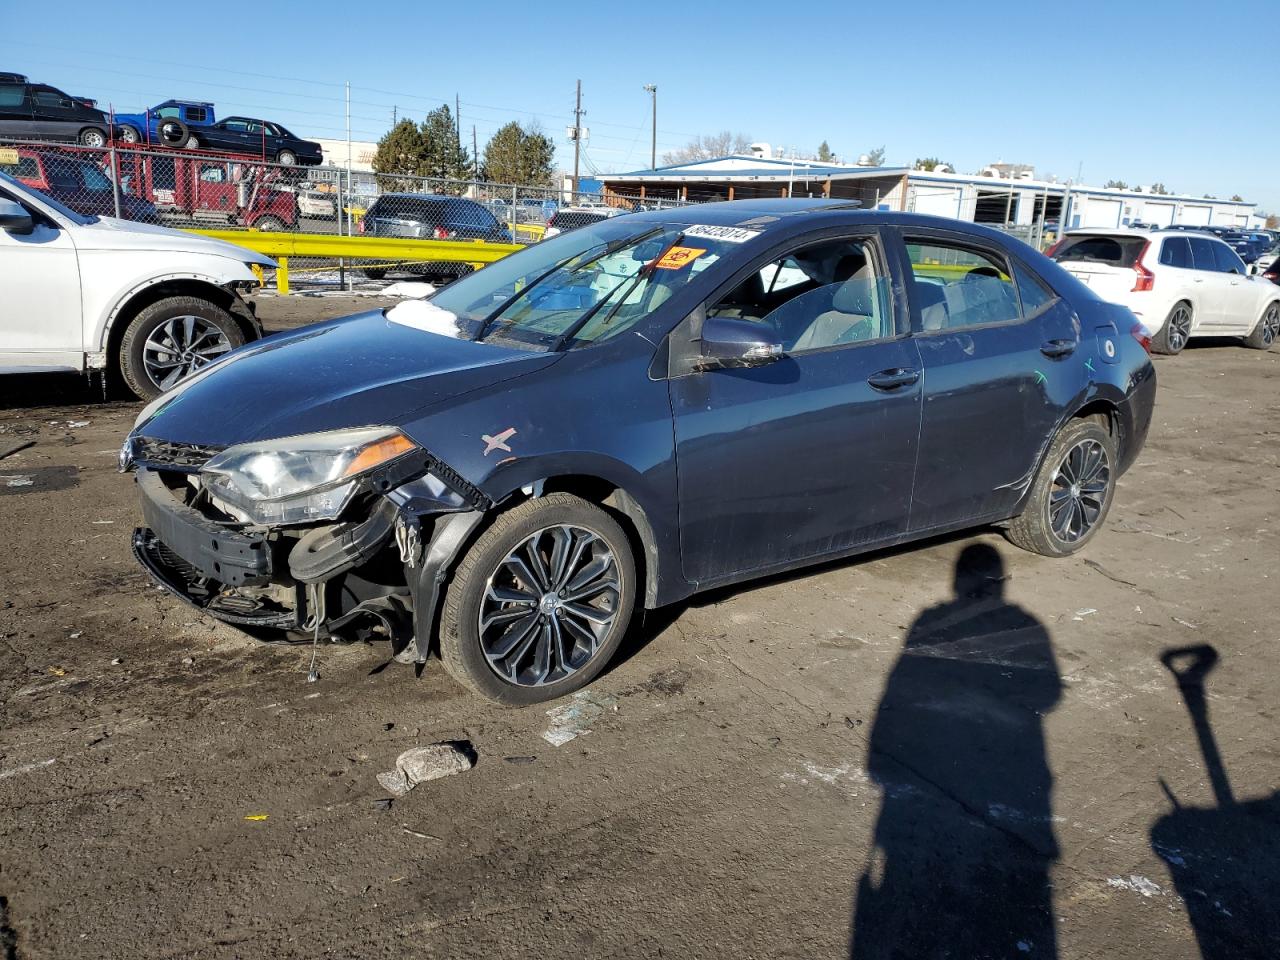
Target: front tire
{"points": [[172, 339], [1267, 332], [1071, 494], [540, 603], [269, 224], [130, 135], [1175, 333]]}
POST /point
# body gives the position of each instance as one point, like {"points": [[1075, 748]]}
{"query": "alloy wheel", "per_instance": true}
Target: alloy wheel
{"points": [[1271, 325], [1079, 491], [1179, 328], [179, 347], [549, 605]]}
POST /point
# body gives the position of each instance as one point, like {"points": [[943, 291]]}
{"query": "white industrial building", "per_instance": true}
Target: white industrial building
{"points": [[1002, 201]]}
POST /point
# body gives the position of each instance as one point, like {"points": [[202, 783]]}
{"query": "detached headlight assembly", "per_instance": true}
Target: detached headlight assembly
{"points": [[300, 479]]}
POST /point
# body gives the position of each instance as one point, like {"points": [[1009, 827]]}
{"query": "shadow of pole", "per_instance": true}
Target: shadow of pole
{"points": [[1225, 859]]}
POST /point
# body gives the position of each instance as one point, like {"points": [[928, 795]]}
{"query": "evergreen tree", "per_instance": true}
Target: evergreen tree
{"points": [[824, 152], [518, 155]]}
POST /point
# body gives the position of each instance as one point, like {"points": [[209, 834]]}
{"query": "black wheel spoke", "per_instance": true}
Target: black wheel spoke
{"points": [[1079, 492], [513, 636]]}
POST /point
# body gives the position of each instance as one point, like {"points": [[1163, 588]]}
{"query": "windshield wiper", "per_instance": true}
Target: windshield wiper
{"points": [[609, 249], [631, 283]]}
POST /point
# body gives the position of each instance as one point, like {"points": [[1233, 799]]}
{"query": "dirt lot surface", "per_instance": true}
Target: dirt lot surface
{"points": [[852, 758]]}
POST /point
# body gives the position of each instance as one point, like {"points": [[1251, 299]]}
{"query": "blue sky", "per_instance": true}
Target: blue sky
{"points": [[1175, 92]]}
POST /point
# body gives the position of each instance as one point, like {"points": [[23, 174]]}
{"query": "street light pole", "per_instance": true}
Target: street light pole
{"points": [[652, 90]]}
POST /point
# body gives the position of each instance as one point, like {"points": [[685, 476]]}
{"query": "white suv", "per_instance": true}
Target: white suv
{"points": [[1181, 284], [88, 293]]}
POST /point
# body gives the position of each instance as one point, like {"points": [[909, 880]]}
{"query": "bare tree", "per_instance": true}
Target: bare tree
{"points": [[709, 146]]}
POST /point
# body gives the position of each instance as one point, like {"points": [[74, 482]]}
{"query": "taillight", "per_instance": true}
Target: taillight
{"points": [[1139, 333], [442, 233], [1146, 280], [1273, 272], [360, 225]]}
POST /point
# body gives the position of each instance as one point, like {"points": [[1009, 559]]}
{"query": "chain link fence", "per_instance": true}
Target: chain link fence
{"points": [[194, 189]]}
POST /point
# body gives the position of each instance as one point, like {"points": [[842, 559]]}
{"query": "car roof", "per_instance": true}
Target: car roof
{"points": [[427, 196]]}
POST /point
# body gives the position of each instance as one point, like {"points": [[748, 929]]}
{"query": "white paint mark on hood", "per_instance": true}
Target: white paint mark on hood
{"points": [[423, 315]]}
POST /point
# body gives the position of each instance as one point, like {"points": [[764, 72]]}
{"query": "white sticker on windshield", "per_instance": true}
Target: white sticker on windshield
{"points": [[725, 234]]}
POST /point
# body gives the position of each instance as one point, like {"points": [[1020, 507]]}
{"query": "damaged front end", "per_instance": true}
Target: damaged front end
{"points": [[346, 535]]}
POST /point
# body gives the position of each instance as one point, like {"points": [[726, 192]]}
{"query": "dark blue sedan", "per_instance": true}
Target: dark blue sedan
{"points": [[632, 412]]}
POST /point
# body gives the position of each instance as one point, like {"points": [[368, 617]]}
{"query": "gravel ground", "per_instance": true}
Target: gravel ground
{"points": [[856, 758]]}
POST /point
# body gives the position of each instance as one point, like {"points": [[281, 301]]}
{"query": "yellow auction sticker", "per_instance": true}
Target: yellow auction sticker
{"points": [[677, 257], [8, 156]]}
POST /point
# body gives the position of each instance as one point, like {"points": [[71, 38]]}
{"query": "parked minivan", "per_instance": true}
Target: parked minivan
{"points": [[36, 111]]}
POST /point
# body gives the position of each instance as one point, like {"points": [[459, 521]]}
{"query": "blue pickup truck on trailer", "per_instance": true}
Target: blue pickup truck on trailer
{"points": [[171, 123]]}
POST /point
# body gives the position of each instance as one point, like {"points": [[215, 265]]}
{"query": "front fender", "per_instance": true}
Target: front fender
{"points": [[107, 296]]}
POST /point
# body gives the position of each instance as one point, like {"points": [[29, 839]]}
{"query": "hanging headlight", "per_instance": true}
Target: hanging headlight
{"points": [[300, 479]]}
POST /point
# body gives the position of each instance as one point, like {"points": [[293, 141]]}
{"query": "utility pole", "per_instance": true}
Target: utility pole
{"points": [[652, 89], [394, 115], [457, 120], [577, 136], [475, 151]]}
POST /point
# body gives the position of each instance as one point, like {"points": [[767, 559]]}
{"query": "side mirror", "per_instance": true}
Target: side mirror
{"points": [[729, 344], [14, 217]]}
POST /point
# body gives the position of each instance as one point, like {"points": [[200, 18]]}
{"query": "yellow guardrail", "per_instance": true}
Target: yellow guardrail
{"points": [[282, 246]]}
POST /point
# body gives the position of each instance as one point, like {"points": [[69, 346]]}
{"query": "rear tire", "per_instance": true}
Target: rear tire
{"points": [[92, 137], [137, 348], [1071, 494], [374, 273], [1267, 332], [1173, 336], [473, 659], [287, 158]]}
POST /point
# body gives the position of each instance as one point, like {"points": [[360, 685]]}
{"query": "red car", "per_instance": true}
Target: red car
{"points": [[74, 181]]}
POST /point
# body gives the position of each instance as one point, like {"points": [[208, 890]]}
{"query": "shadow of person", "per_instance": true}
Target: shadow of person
{"points": [[1224, 859], [959, 866]]}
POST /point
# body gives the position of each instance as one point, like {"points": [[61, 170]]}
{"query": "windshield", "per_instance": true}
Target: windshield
{"points": [[31, 193], [578, 288]]}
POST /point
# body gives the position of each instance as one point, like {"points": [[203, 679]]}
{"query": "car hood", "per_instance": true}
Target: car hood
{"points": [[360, 371], [109, 233]]}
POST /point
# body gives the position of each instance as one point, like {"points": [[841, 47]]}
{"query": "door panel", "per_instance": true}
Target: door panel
{"points": [[993, 392], [793, 460]]}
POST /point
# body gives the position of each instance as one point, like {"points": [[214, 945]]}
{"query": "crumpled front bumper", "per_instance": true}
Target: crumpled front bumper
{"points": [[195, 558]]}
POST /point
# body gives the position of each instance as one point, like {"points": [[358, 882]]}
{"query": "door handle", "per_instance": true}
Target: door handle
{"points": [[1057, 348], [893, 378]]}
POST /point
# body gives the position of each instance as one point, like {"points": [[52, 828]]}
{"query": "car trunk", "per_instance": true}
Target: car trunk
{"points": [[1105, 263]]}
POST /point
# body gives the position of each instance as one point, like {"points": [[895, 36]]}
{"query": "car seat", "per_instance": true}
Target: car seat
{"points": [[854, 313]]}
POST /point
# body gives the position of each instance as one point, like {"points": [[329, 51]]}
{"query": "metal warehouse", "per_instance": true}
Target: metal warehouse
{"points": [[1011, 203]]}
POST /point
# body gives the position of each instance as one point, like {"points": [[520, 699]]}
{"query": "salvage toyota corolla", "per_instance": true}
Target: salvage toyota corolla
{"points": [[629, 413]]}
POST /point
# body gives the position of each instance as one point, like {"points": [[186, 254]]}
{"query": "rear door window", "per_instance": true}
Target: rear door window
{"points": [[1202, 257], [1176, 252], [1033, 291], [12, 94], [961, 287]]}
